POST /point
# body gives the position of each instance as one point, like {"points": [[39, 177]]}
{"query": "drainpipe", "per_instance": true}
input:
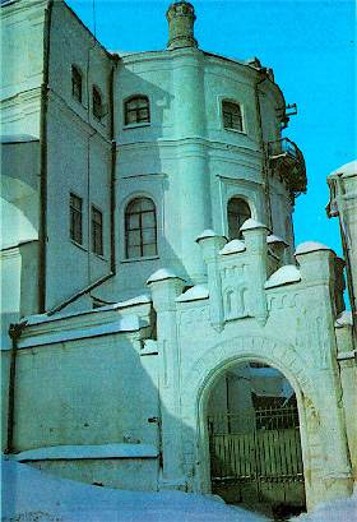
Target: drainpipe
{"points": [[113, 167], [15, 331], [43, 161], [262, 146], [112, 272]]}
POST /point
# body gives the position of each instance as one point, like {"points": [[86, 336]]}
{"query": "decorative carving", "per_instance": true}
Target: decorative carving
{"points": [[235, 303]]}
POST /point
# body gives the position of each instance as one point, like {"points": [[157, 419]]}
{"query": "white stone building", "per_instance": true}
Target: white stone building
{"points": [[154, 310]]}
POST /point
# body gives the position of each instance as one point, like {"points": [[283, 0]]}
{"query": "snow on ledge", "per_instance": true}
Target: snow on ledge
{"points": [[310, 246], [103, 451], [233, 247], [194, 294], [161, 275], [345, 318], [285, 275]]}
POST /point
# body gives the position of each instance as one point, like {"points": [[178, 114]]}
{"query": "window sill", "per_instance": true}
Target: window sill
{"points": [[136, 125], [99, 256], [136, 259], [78, 245], [235, 131]]}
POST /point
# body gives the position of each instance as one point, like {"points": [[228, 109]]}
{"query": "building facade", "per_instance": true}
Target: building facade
{"points": [[155, 309]]}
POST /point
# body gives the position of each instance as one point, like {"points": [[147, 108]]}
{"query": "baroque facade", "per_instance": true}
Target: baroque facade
{"points": [[151, 288]]}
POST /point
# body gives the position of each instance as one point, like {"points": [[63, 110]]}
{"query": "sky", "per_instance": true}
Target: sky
{"points": [[310, 44]]}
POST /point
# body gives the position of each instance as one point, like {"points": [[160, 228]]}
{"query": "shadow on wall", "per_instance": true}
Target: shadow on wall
{"points": [[103, 398]]}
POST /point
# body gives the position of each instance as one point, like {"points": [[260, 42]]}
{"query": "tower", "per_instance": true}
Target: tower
{"points": [[181, 17]]}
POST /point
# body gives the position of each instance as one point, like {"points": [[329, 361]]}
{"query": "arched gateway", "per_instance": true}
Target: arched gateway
{"points": [[204, 376], [254, 439]]}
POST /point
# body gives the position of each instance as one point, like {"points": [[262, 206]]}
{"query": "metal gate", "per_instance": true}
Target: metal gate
{"points": [[263, 463]]}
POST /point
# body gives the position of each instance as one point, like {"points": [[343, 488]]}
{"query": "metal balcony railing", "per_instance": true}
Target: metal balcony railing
{"points": [[286, 160]]}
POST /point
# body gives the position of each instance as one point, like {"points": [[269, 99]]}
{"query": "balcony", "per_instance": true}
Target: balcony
{"points": [[286, 160]]}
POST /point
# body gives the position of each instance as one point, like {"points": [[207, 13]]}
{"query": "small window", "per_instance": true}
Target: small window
{"points": [[238, 211], [140, 229], [232, 116], [76, 84], [137, 110], [97, 231], [75, 224], [97, 104]]}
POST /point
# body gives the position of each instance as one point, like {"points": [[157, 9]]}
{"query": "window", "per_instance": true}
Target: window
{"points": [[238, 211], [75, 223], [232, 116], [76, 84], [97, 104], [140, 229], [97, 231], [137, 110]]}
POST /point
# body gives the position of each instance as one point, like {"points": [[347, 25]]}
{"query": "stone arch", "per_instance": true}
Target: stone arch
{"points": [[206, 370]]}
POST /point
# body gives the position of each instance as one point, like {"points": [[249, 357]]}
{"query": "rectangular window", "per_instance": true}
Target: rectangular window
{"points": [[232, 116], [76, 84], [97, 103], [97, 231], [76, 221]]}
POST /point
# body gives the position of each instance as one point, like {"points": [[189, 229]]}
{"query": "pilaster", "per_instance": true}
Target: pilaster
{"points": [[165, 287], [255, 237], [211, 243]]}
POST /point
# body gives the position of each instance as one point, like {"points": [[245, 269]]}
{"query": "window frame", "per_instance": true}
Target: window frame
{"points": [[231, 128], [138, 121], [95, 227], [97, 105], [76, 219], [77, 83], [140, 228]]}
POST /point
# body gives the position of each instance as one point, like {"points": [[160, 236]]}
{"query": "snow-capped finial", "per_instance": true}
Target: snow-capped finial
{"points": [[181, 18]]}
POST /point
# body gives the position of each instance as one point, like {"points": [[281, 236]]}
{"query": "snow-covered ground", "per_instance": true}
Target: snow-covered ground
{"points": [[337, 511], [29, 495]]}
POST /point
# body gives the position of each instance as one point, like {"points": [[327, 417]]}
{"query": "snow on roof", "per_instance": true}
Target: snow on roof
{"points": [[193, 294], [128, 323], [140, 299], [252, 224], [285, 275], [233, 247], [31, 494], [348, 169], [206, 234], [86, 451], [35, 319], [310, 246], [276, 239], [17, 138], [161, 275]]}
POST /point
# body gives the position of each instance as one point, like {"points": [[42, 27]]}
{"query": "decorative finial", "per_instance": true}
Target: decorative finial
{"points": [[181, 18]]}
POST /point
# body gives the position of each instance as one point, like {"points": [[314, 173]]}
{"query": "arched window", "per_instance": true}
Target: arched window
{"points": [[238, 211], [140, 229], [77, 84], [137, 110], [97, 103], [232, 116]]}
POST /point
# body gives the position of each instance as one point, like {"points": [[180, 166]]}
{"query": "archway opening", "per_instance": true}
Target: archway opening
{"points": [[254, 441]]}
